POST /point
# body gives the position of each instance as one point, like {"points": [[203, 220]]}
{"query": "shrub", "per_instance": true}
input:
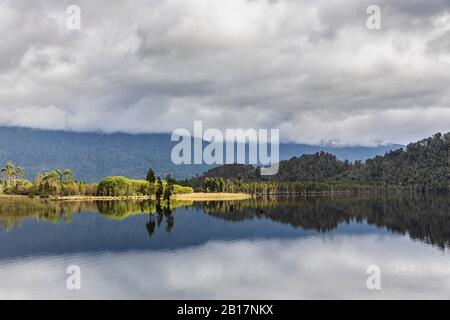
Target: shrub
{"points": [[20, 186], [181, 190], [119, 186]]}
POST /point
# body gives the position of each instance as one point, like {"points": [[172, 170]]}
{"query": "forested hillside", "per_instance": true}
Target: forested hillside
{"points": [[422, 165], [425, 163]]}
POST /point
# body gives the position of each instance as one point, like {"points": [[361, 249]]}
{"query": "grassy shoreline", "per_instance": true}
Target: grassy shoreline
{"points": [[203, 196], [197, 196]]}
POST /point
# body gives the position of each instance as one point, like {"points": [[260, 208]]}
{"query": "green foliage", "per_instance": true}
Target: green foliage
{"points": [[159, 189], [423, 166], [19, 187], [68, 176], [123, 187], [169, 188], [151, 176], [273, 187], [151, 179], [51, 183], [178, 189], [120, 186], [11, 172], [62, 183]]}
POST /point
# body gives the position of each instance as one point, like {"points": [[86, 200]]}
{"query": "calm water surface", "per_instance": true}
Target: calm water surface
{"points": [[255, 249]]}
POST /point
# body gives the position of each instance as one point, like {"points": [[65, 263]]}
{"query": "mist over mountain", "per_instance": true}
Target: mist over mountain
{"points": [[92, 156]]}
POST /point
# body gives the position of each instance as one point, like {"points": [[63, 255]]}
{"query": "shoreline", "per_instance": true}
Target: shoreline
{"points": [[196, 196], [203, 196]]}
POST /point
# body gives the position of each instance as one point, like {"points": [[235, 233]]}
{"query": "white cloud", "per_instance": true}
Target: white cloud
{"points": [[304, 268], [311, 69]]}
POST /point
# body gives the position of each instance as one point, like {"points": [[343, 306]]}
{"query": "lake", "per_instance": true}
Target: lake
{"points": [[281, 248]]}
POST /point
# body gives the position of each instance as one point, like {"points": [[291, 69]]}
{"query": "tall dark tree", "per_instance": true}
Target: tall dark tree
{"points": [[159, 189], [151, 178], [168, 190]]}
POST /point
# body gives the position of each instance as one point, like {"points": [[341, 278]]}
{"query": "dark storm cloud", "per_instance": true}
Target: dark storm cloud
{"points": [[312, 69]]}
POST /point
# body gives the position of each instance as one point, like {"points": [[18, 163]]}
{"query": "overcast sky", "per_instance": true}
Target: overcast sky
{"points": [[310, 68]]}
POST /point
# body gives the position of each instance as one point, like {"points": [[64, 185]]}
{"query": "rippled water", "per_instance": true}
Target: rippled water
{"points": [[256, 249]]}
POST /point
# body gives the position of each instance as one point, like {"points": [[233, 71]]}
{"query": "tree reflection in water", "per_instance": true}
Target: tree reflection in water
{"points": [[425, 218], [422, 217], [155, 219]]}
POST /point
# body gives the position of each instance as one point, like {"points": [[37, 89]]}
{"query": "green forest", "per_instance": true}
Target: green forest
{"points": [[421, 166]]}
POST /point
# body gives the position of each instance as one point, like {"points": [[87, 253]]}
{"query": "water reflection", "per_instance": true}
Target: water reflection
{"points": [[303, 268], [424, 218], [13, 211], [155, 220], [254, 249]]}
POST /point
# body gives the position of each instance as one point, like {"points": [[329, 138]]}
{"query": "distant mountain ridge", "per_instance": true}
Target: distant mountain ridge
{"points": [[93, 156]]}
